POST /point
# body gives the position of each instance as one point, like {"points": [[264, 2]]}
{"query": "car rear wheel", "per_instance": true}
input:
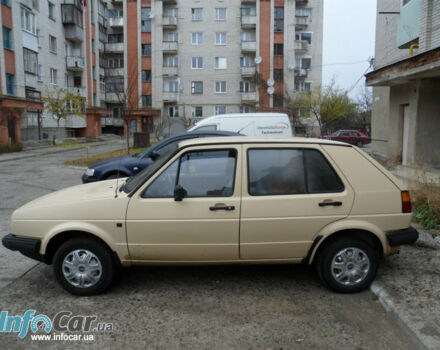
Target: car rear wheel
{"points": [[347, 265], [83, 266]]}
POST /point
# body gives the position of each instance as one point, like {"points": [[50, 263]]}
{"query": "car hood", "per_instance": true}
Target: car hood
{"points": [[115, 162], [94, 200]]}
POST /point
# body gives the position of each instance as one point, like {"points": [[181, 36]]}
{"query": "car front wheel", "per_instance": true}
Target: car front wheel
{"points": [[347, 265], [83, 266]]}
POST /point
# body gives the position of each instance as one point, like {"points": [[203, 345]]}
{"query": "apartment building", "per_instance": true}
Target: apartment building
{"points": [[406, 81], [151, 59]]}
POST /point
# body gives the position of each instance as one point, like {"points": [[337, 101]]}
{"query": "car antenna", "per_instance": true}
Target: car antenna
{"points": [[244, 127]]}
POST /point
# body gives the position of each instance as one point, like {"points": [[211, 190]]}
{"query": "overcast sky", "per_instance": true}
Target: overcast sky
{"points": [[349, 34]]}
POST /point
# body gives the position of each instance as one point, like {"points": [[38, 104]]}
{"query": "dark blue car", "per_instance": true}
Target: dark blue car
{"points": [[130, 165]]}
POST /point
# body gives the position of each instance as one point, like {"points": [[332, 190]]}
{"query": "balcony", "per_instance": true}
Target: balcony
{"points": [[248, 71], [75, 121], [73, 32], [101, 46], [300, 3], [114, 72], [170, 71], [301, 22], [249, 46], [249, 97], [75, 63], [169, 46], [114, 47], [301, 45], [114, 97], [116, 22], [170, 96], [30, 80], [248, 21], [301, 72], [77, 90], [169, 22]]}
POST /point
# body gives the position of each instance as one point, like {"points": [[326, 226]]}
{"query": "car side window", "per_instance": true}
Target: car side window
{"points": [[290, 171], [212, 127], [321, 178], [208, 173], [276, 172]]}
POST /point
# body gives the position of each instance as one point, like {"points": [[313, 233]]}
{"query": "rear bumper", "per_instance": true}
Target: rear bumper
{"points": [[29, 247], [401, 237]]}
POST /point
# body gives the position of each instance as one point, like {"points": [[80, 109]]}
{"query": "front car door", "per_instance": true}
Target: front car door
{"points": [[289, 193], [204, 226]]}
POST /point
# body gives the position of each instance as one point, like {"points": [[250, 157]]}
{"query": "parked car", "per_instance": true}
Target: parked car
{"points": [[353, 137], [125, 166], [250, 124], [231, 200]]}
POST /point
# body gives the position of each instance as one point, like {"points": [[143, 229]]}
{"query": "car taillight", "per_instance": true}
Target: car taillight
{"points": [[406, 202]]}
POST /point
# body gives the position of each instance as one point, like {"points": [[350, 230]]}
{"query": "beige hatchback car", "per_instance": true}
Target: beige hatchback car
{"points": [[234, 200]]}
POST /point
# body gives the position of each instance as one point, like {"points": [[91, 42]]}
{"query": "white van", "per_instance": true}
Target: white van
{"points": [[250, 124]]}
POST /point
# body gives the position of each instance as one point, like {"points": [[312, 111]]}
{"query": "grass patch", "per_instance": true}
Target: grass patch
{"points": [[75, 142], [87, 161], [8, 148], [426, 204]]}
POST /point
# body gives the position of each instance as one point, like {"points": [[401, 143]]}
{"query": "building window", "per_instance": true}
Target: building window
{"points": [[197, 14], [404, 2], [305, 63], [52, 44], [51, 10], [172, 61], [247, 36], [220, 87], [71, 14], [197, 111], [220, 38], [146, 50], [172, 12], [172, 37], [94, 99], [221, 63], [279, 19], [303, 12], [94, 72], [246, 86], [278, 49], [115, 13], [7, 38], [197, 87], [10, 84], [115, 62], [278, 74], [146, 76], [146, 19], [133, 126], [197, 38], [173, 111], [303, 86], [220, 110], [28, 21], [247, 61], [53, 76], [278, 101], [30, 61], [146, 101], [115, 38], [40, 72], [6, 2], [245, 109], [197, 63], [93, 45], [220, 14], [304, 37], [171, 85]]}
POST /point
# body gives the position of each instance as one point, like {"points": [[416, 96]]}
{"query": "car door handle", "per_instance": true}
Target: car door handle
{"points": [[328, 204], [226, 207]]}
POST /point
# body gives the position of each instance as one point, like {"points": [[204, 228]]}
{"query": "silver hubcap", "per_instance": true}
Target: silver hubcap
{"points": [[350, 266], [82, 268]]}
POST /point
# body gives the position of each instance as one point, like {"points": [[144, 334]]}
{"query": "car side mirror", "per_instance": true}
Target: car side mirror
{"points": [[179, 193], [154, 155]]}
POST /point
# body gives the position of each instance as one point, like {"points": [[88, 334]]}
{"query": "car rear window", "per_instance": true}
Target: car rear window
{"points": [[290, 171]]}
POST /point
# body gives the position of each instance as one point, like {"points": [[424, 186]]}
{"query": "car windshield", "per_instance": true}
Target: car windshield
{"points": [[138, 179]]}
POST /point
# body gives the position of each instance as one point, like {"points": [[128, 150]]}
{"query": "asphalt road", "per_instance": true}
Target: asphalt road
{"points": [[267, 307]]}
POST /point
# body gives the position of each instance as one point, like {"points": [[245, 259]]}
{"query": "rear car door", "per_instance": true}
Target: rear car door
{"points": [[289, 193], [204, 226]]}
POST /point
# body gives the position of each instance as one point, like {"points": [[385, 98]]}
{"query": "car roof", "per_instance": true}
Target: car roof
{"points": [[246, 115], [247, 139]]}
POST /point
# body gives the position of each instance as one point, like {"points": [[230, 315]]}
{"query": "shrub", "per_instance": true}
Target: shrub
{"points": [[426, 203], [8, 148]]}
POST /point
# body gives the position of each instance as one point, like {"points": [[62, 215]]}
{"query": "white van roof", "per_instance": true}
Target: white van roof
{"points": [[250, 115]]}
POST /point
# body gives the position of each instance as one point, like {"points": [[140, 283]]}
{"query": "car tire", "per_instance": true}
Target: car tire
{"points": [[88, 262], [347, 265], [360, 144]]}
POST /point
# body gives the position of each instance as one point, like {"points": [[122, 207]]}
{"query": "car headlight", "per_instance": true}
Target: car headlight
{"points": [[90, 172]]}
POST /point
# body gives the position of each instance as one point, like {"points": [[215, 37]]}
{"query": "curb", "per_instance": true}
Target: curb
{"points": [[379, 290]]}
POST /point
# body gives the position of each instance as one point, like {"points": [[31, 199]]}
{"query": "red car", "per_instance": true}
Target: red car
{"points": [[353, 137]]}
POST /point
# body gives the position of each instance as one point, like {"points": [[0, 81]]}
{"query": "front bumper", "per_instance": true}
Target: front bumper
{"points": [[401, 237], [87, 179], [29, 247]]}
